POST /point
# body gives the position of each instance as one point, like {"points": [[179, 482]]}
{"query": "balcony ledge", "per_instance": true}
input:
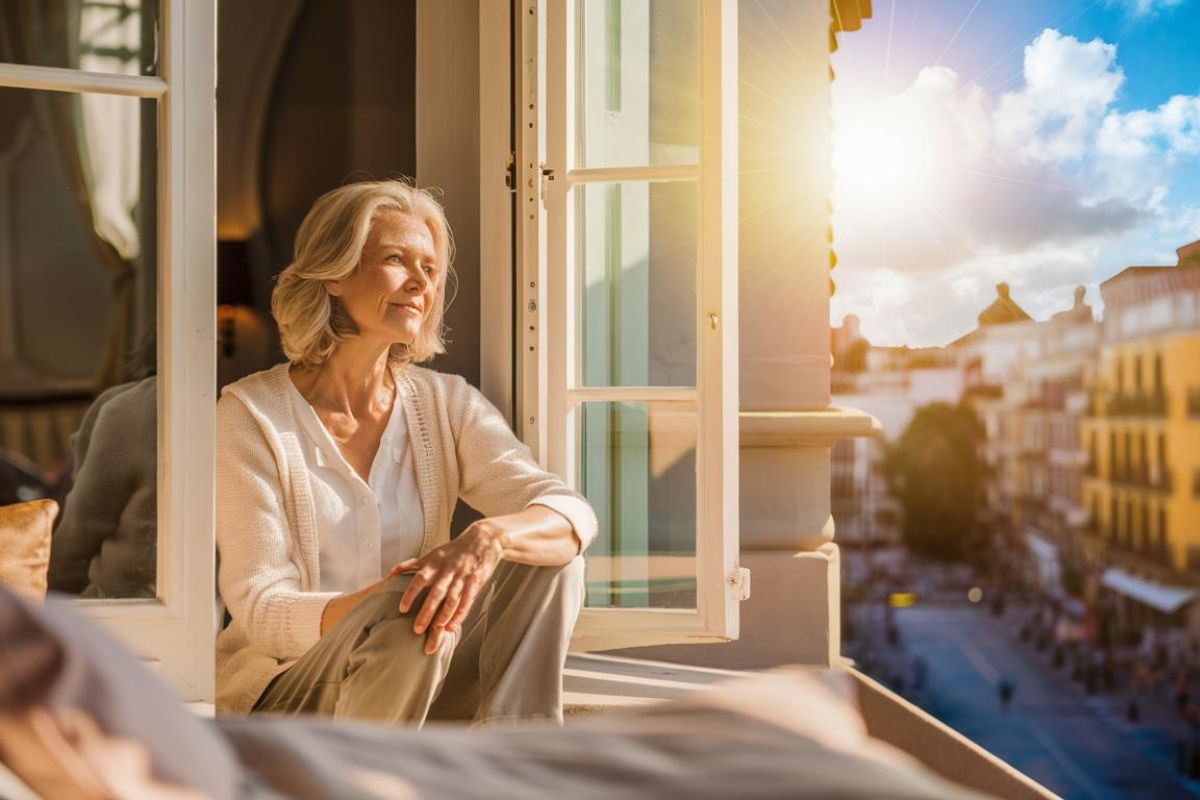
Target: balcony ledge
{"points": [[597, 684], [805, 428]]}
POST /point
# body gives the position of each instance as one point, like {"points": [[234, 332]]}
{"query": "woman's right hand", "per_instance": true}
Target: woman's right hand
{"points": [[343, 604]]}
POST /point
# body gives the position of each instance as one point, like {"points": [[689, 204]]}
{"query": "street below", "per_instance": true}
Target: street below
{"points": [[952, 659]]}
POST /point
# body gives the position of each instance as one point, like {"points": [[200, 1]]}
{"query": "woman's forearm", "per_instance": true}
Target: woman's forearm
{"points": [[537, 535]]}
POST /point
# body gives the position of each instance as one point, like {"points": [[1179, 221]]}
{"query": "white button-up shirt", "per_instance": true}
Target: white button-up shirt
{"points": [[364, 527]]}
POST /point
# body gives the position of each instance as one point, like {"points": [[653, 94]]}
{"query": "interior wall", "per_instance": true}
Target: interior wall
{"points": [[447, 157], [312, 94]]}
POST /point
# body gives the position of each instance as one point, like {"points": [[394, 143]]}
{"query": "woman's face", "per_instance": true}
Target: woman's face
{"points": [[394, 288]]}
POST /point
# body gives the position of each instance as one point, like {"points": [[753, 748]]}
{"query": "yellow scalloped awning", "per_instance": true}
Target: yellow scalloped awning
{"points": [[847, 15]]}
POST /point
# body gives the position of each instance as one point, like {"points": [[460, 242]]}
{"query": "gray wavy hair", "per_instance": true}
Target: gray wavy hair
{"points": [[329, 247]]}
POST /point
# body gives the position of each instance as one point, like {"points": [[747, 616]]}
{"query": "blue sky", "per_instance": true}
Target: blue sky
{"points": [[1046, 143]]}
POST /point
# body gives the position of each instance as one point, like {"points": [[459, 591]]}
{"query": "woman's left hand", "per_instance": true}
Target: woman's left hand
{"points": [[453, 573]]}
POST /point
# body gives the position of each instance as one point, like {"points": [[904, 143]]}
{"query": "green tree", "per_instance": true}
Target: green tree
{"points": [[854, 359], [934, 470]]}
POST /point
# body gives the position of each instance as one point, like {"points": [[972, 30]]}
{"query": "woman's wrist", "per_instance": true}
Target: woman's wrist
{"points": [[490, 537]]}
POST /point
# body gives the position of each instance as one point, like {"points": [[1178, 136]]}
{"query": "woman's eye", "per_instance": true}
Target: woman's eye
{"points": [[428, 271], [394, 259]]}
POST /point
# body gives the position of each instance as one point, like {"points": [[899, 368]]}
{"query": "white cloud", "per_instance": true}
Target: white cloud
{"points": [[944, 190], [1142, 8], [944, 173], [1173, 127], [1069, 85]]}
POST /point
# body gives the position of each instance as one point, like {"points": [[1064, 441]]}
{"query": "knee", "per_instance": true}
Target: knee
{"points": [[565, 581], [385, 630], [560, 578], [384, 604], [572, 575]]}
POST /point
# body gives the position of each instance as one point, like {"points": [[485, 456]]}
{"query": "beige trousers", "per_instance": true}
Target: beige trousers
{"points": [[505, 664]]}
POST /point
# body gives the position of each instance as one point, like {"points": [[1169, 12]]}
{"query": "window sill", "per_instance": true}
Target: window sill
{"points": [[805, 428]]}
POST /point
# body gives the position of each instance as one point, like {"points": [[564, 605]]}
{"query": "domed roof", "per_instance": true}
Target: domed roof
{"points": [[1003, 309]]}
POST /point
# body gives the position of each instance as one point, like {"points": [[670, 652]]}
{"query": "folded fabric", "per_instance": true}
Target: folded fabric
{"points": [[695, 749], [53, 659], [782, 735]]}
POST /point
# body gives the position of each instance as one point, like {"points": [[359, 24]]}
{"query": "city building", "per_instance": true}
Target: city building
{"points": [[1005, 337], [1051, 458], [1142, 437]]}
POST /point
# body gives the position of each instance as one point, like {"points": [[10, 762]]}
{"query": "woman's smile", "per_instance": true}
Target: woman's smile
{"points": [[410, 308]]}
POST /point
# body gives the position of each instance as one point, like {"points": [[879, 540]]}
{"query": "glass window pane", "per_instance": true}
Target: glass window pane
{"points": [[637, 467], [636, 254], [117, 36], [638, 86], [78, 401]]}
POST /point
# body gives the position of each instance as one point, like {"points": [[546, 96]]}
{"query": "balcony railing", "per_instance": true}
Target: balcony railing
{"points": [[1139, 404], [1150, 553], [1140, 477]]}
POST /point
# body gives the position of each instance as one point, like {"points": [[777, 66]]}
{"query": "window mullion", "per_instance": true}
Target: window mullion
{"points": [[632, 394], [59, 79], [651, 173]]}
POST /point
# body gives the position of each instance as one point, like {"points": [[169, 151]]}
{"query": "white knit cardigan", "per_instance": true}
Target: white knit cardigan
{"points": [[269, 574]]}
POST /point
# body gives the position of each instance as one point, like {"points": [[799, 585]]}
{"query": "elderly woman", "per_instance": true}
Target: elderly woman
{"points": [[337, 475]]}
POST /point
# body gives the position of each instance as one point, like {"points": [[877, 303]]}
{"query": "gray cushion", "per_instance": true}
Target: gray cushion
{"points": [[52, 658]]}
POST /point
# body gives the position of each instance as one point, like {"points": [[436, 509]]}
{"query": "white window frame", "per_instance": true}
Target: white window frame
{"points": [[547, 328], [174, 634]]}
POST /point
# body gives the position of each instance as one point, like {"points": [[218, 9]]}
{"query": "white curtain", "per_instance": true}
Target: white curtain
{"points": [[110, 40]]}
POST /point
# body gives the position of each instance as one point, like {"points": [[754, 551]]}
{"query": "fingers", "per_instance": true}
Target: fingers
{"points": [[434, 640], [414, 588], [470, 592], [433, 601], [449, 605], [404, 566]]}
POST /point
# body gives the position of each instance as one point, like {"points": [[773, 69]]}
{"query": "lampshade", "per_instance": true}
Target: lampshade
{"points": [[234, 287]]}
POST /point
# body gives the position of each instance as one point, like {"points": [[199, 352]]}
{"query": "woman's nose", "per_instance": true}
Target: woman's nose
{"points": [[417, 281]]}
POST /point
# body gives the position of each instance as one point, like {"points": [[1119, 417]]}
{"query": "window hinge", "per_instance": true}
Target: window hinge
{"points": [[739, 582], [510, 172]]}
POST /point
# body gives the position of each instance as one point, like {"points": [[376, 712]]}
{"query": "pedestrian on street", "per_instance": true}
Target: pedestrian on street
{"points": [[920, 672], [1006, 689]]}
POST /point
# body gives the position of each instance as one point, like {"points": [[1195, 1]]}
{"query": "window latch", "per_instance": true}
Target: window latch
{"points": [[739, 583], [547, 177]]}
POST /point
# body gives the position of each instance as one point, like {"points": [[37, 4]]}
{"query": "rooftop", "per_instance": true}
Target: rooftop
{"points": [[1003, 309]]}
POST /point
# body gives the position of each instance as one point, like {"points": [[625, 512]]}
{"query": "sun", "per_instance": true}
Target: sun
{"points": [[892, 161]]}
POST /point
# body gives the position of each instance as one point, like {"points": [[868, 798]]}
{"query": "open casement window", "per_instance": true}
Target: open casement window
{"points": [[118, 111], [627, 243]]}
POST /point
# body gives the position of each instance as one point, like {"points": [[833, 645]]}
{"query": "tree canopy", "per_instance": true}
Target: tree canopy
{"points": [[936, 473]]}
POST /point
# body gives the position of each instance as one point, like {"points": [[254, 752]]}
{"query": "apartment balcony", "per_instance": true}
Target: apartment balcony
{"points": [[1135, 404], [1146, 557], [1078, 403], [1033, 451], [1141, 477], [1150, 556]]}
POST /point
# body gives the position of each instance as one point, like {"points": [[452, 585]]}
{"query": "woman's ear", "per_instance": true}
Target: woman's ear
{"points": [[334, 288]]}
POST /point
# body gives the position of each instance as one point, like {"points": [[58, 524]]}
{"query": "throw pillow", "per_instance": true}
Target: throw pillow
{"points": [[25, 545]]}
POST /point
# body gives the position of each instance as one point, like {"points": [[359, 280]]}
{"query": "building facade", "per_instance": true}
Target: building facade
{"points": [[1143, 442]]}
